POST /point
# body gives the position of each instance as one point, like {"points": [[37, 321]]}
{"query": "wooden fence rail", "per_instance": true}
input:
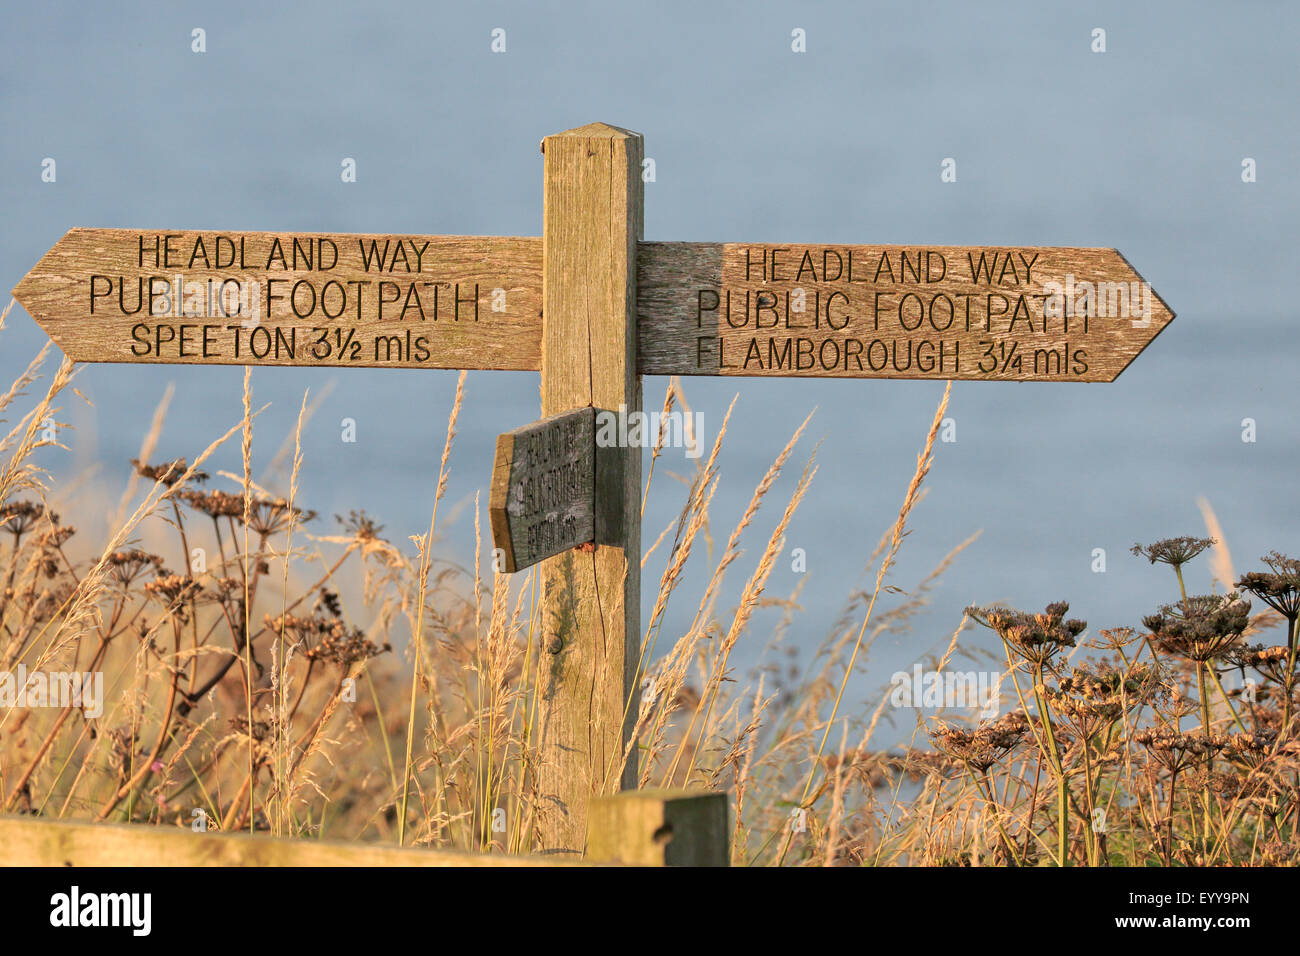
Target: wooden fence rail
{"points": [[640, 828]]}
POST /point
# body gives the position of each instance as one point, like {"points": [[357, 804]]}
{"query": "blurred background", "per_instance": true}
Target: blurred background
{"points": [[1140, 148]]}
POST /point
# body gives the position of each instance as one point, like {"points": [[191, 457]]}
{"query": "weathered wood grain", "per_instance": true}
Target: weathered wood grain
{"points": [[591, 601], [25, 841], [942, 312], [307, 299], [660, 828], [646, 828], [542, 500], [755, 309]]}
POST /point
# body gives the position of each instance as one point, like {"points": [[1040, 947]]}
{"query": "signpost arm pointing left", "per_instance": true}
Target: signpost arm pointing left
{"points": [[591, 609]]}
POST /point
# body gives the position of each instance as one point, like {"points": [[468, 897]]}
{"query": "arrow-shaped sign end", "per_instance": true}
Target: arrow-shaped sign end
{"points": [[1159, 319]]}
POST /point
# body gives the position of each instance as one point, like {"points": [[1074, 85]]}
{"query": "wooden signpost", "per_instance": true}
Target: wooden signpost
{"points": [[543, 494], [259, 298], [943, 312], [592, 307]]}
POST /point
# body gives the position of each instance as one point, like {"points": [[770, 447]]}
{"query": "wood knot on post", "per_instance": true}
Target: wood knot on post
{"points": [[555, 643]]}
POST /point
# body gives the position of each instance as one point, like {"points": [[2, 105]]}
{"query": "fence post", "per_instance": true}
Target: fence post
{"points": [[659, 828]]}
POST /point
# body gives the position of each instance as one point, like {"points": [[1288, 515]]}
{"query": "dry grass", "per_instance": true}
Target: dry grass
{"points": [[264, 674]]}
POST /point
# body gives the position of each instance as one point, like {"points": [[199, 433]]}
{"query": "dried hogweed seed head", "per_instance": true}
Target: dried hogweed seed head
{"points": [[125, 566], [1279, 587], [1172, 551], [1202, 627], [1114, 638], [18, 517], [1174, 750], [329, 601], [56, 537], [167, 472], [1035, 637], [1252, 749], [270, 516], [215, 504], [984, 746], [1272, 662], [359, 524], [1093, 696], [327, 638]]}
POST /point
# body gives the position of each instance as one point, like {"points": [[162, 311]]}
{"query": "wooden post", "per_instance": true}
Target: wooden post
{"points": [[31, 841], [659, 828], [591, 605]]}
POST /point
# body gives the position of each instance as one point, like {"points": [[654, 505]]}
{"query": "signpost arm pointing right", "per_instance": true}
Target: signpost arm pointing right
{"points": [[591, 613]]}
